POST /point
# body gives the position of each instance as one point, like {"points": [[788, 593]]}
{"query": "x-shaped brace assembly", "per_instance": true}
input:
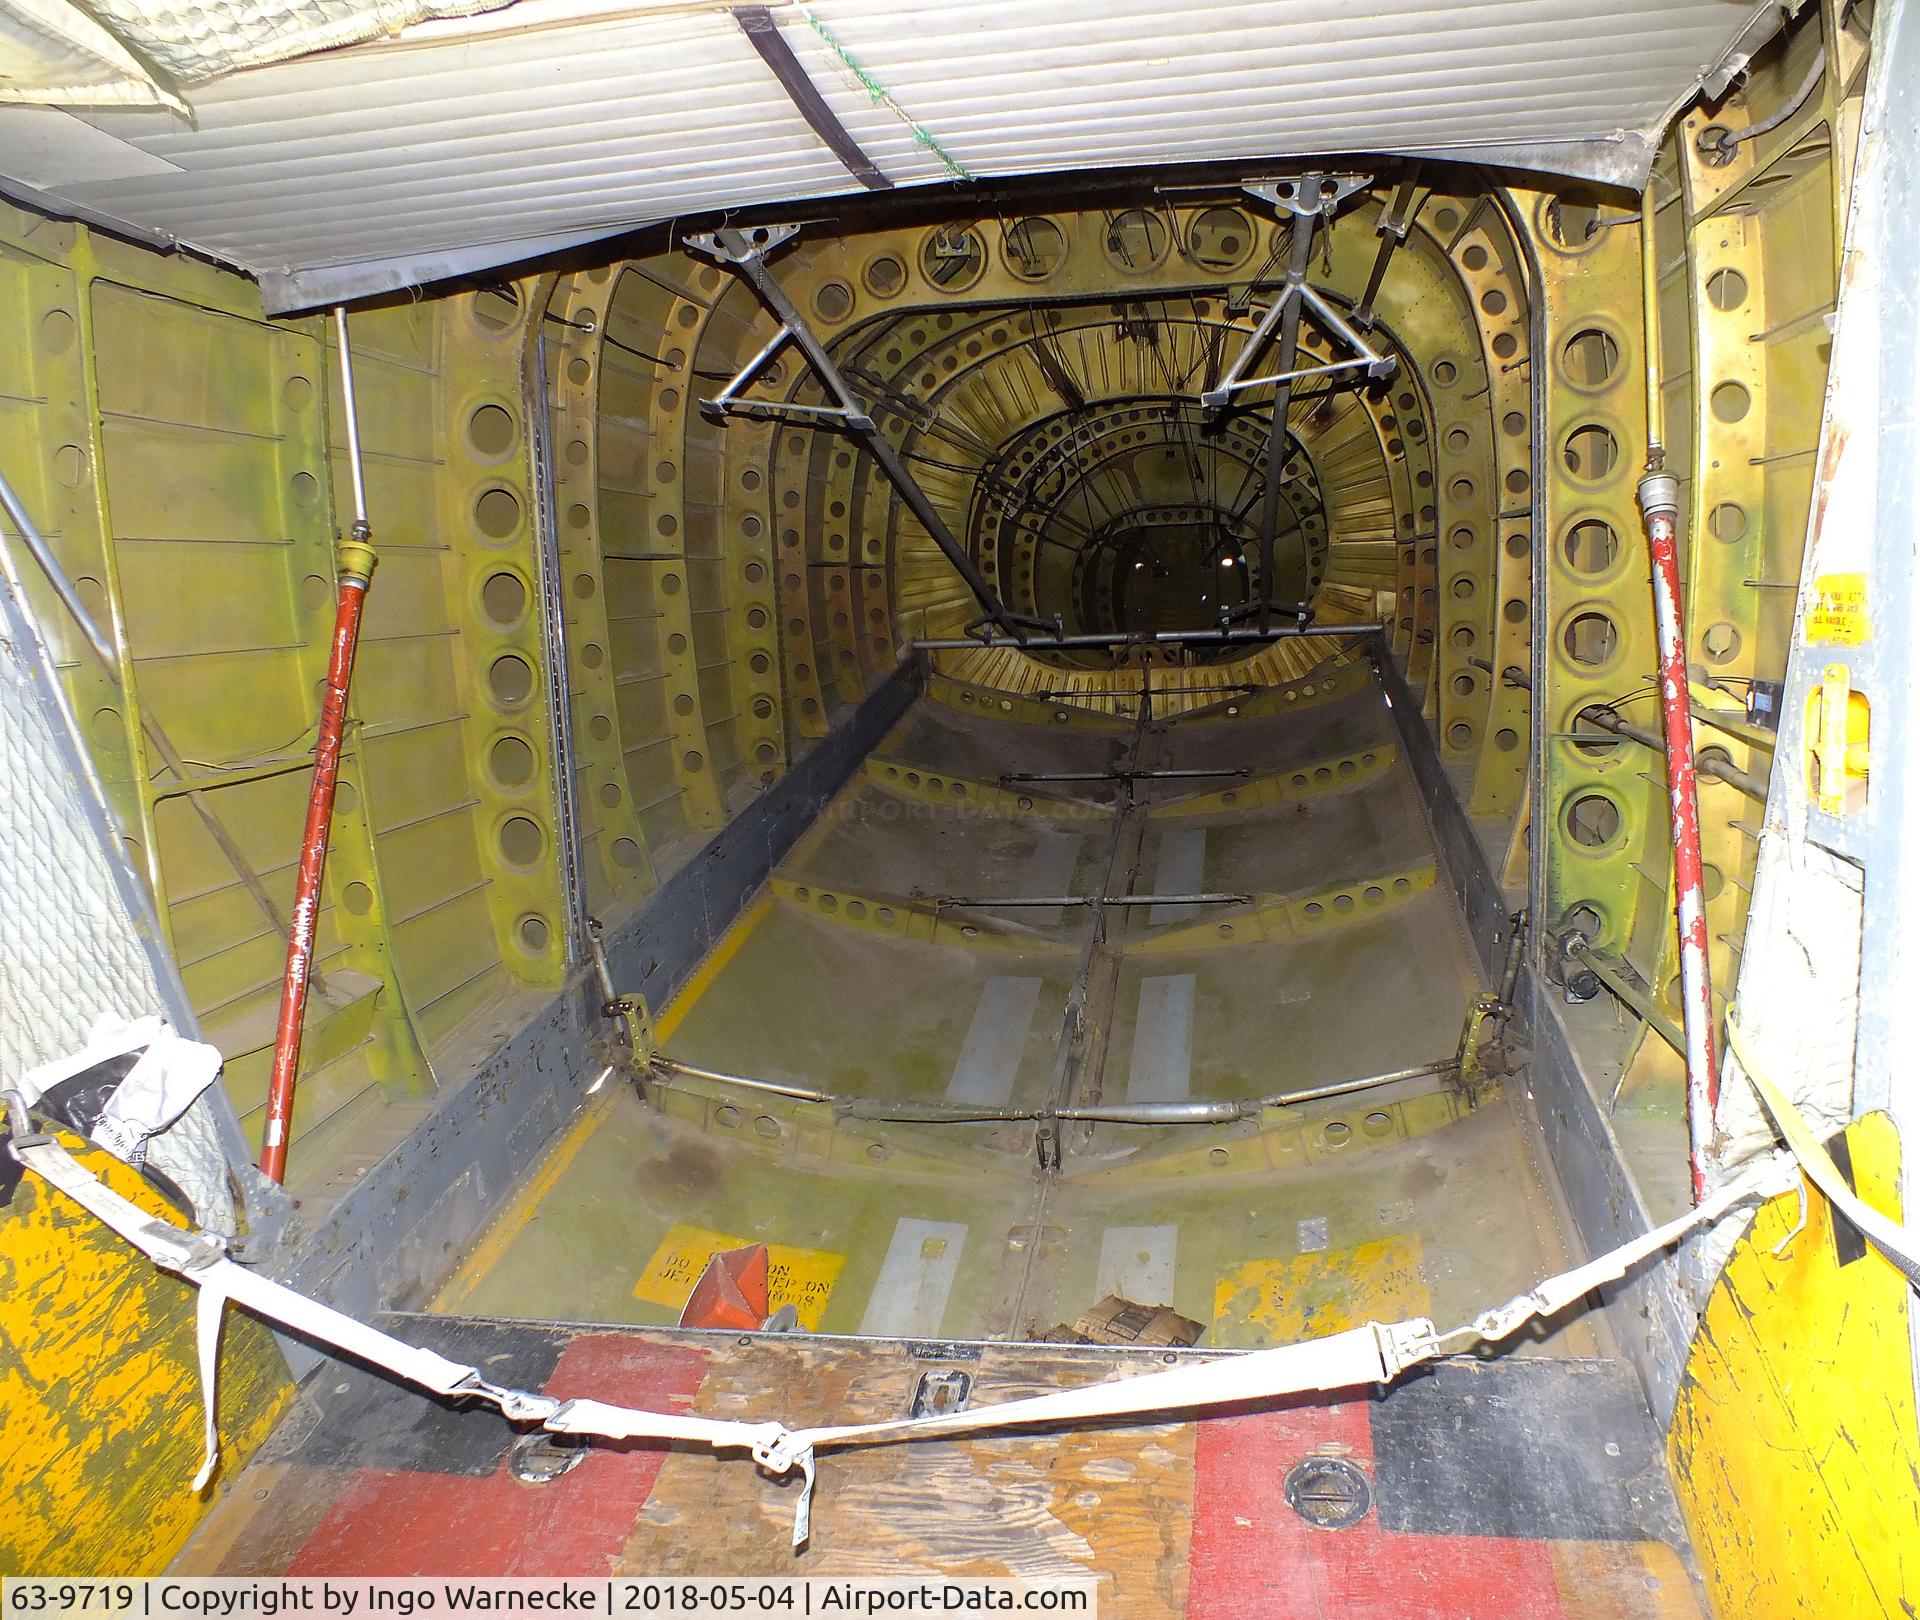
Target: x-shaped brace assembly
{"points": [[1309, 199], [744, 251]]}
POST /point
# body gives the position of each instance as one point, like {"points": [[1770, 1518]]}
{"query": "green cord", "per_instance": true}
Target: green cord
{"points": [[880, 94]]}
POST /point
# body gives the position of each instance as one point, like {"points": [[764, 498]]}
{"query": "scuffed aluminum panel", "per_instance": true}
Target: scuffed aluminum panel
{"points": [[469, 143]]}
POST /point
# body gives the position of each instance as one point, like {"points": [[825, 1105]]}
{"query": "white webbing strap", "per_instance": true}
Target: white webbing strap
{"points": [[1887, 1235], [1764, 1178], [210, 1312], [1374, 1353]]}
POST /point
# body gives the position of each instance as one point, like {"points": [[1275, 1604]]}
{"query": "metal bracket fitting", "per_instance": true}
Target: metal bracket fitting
{"points": [[732, 245], [744, 250], [1303, 194], [1473, 1072], [941, 1392], [632, 1010], [629, 1010]]}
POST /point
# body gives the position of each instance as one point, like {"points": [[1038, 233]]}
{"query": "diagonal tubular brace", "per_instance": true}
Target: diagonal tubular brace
{"points": [[744, 251], [1309, 199], [1396, 220]]}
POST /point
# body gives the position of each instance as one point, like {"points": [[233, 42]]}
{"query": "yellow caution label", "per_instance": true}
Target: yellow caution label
{"points": [[802, 1278], [1839, 611], [1278, 1301]]}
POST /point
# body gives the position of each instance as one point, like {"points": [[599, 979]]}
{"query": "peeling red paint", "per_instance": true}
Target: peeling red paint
{"points": [[1689, 877], [396, 1521]]}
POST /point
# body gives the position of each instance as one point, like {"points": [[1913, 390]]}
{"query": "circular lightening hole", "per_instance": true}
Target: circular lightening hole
{"points": [[1591, 639], [1590, 546], [503, 598], [511, 679], [512, 762], [1590, 358], [496, 309], [522, 840], [1590, 452], [1592, 820], [1726, 290], [1730, 402], [884, 275], [496, 514], [491, 430], [1720, 642]]}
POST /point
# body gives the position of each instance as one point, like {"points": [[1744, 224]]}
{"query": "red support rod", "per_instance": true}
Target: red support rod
{"points": [[355, 572], [1659, 506]]}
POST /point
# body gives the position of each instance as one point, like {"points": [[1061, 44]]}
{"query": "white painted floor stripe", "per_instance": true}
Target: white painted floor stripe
{"points": [[910, 1298], [1048, 870], [1181, 869], [1136, 1262], [989, 1060], [1161, 1069]]}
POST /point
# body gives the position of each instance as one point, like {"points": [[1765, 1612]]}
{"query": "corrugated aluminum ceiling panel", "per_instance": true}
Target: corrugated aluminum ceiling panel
{"points": [[465, 144]]}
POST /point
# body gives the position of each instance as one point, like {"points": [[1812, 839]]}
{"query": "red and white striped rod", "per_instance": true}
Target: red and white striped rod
{"points": [[1659, 506]]}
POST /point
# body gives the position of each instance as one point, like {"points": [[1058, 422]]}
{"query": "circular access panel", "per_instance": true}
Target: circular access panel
{"points": [[1330, 1493]]}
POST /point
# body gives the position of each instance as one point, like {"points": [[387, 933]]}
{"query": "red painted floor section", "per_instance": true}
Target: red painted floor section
{"points": [[1254, 1558], [1526, 1489], [401, 1522]]}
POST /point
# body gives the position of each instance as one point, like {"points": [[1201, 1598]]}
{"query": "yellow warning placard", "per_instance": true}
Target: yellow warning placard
{"points": [[802, 1278], [1839, 610], [1263, 1302]]}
